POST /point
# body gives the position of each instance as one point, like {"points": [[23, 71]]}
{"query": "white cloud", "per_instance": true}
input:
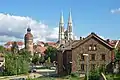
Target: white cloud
{"points": [[115, 10], [13, 28]]}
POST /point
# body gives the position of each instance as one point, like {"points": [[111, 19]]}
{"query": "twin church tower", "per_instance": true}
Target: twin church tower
{"points": [[65, 35]]}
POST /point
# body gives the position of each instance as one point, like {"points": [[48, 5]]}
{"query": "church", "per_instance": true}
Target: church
{"points": [[71, 53]]}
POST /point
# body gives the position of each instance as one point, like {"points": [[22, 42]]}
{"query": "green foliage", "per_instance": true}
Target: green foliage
{"points": [[35, 59], [46, 44], [94, 75], [75, 75], [16, 64], [52, 53], [102, 69], [117, 54], [42, 59], [48, 60], [2, 49]]}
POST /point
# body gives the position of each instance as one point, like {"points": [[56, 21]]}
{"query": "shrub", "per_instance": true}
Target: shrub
{"points": [[94, 75], [75, 74]]}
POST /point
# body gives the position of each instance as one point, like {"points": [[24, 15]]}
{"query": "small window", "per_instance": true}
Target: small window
{"points": [[95, 47], [103, 57], [93, 57], [90, 47], [82, 67], [82, 57]]}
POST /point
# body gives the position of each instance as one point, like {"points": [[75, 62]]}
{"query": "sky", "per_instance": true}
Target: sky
{"points": [[99, 16]]}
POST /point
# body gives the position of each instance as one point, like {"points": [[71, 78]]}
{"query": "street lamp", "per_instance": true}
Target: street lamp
{"points": [[87, 65]]}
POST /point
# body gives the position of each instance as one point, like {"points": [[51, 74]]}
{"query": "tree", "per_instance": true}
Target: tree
{"points": [[42, 59], [117, 54], [35, 59], [17, 63], [94, 75], [2, 49], [51, 52], [14, 48]]}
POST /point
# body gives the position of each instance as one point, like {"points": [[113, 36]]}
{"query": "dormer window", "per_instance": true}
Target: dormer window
{"points": [[90, 47]]}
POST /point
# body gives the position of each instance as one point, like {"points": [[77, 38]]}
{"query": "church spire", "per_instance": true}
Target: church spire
{"points": [[70, 18], [61, 18], [61, 27], [69, 27]]}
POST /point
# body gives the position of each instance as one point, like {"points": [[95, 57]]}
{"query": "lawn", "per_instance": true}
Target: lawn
{"points": [[113, 77]]}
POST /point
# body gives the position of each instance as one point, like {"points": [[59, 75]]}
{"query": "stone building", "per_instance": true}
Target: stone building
{"points": [[29, 41], [71, 59]]}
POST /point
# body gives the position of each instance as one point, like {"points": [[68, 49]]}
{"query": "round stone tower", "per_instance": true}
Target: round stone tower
{"points": [[29, 41]]}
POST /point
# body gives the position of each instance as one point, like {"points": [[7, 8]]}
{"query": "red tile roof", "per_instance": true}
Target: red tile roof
{"points": [[40, 42], [20, 43], [53, 44], [40, 49]]}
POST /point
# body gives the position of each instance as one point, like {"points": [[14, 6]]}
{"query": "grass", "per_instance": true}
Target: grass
{"points": [[113, 77], [60, 78], [56, 79]]}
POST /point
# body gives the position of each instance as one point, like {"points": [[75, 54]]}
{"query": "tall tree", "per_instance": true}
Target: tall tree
{"points": [[51, 52]]}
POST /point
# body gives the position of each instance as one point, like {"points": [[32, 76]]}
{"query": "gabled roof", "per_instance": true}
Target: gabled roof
{"points": [[95, 36]]}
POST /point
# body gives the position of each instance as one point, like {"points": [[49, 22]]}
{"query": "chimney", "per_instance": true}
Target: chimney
{"points": [[80, 38], [108, 40]]}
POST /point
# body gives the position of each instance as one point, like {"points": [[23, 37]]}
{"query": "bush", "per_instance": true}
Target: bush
{"points": [[75, 75], [94, 75]]}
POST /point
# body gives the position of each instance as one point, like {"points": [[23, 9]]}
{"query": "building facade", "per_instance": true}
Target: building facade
{"points": [[71, 58]]}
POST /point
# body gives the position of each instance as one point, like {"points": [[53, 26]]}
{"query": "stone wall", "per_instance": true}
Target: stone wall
{"points": [[84, 49]]}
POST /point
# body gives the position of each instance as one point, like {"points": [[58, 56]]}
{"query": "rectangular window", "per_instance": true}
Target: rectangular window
{"points": [[82, 67], [82, 57], [93, 57], [103, 57]]}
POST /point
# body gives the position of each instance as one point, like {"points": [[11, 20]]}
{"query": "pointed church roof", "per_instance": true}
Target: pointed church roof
{"points": [[70, 17], [61, 18]]}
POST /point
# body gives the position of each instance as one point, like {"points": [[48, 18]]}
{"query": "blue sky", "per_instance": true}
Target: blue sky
{"points": [[88, 15]]}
